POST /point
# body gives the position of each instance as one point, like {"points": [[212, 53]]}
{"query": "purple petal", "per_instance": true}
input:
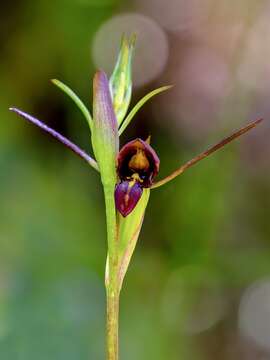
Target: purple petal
{"points": [[127, 194], [58, 136]]}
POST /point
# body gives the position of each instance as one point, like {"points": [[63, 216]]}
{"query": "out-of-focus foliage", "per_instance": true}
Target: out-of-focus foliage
{"points": [[189, 293]]}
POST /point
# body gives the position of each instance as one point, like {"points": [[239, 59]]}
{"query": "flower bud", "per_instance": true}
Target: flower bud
{"points": [[121, 79]]}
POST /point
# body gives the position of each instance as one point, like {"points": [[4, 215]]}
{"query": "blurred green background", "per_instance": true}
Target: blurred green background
{"points": [[198, 286]]}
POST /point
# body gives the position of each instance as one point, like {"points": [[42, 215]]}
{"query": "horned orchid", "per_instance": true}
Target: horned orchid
{"points": [[127, 175]]}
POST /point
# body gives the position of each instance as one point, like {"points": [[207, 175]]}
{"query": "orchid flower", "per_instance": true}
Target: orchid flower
{"points": [[127, 175]]}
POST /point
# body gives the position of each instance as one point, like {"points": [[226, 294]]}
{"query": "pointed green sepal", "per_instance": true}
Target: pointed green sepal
{"points": [[121, 79], [128, 229], [76, 100], [105, 138], [137, 107]]}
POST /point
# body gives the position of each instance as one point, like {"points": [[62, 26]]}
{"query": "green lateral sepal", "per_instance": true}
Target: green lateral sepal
{"points": [[76, 100], [139, 105]]}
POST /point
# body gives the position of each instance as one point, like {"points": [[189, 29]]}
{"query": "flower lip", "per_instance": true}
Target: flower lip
{"points": [[127, 194], [138, 160]]}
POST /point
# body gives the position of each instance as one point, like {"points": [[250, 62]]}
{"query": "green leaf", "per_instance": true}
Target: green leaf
{"points": [[128, 233], [137, 107], [76, 99]]}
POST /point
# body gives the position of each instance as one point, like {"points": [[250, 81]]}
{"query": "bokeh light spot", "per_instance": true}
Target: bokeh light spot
{"points": [[193, 300], [254, 71], [175, 15], [202, 83], [254, 313], [151, 50]]}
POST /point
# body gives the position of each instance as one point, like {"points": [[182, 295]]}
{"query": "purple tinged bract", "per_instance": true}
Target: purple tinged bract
{"points": [[105, 138], [103, 112]]}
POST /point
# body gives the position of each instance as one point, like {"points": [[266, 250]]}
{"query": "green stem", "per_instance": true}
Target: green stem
{"points": [[112, 324], [111, 277]]}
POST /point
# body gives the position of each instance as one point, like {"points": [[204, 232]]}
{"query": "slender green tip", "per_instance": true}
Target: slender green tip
{"points": [[121, 79], [75, 98], [139, 105]]}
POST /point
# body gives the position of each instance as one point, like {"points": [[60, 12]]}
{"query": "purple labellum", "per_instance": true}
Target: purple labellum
{"points": [[127, 194]]}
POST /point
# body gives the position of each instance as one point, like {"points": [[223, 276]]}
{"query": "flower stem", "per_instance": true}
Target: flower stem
{"points": [[112, 324], [111, 276]]}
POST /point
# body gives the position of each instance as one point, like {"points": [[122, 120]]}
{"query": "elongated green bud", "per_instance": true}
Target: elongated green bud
{"points": [[105, 138], [121, 79]]}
